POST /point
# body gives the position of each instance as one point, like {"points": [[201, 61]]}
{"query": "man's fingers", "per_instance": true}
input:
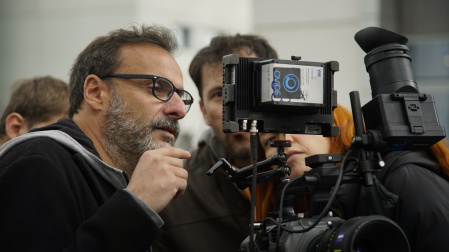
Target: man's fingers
{"points": [[172, 152], [182, 188], [171, 157], [181, 172], [159, 176]]}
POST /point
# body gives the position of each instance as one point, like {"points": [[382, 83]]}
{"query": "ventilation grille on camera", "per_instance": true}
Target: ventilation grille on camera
{"points": [[243, 81]]}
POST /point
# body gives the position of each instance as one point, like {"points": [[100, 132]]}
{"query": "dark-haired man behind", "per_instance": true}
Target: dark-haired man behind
{"points": [[34, 103], [213, 214], [65, 187]]}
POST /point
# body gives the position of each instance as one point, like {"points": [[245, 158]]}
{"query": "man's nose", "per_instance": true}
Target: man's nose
{"points": [[175, 107]]}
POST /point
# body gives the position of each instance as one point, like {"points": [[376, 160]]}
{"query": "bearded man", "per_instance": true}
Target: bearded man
{"points": [[65, 186]]}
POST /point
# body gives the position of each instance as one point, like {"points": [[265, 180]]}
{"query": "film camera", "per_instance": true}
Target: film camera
{"points": [[294, 96]]}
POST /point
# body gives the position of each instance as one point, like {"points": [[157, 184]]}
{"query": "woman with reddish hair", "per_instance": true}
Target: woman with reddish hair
{"points": [[420, 179], [302, 147]]}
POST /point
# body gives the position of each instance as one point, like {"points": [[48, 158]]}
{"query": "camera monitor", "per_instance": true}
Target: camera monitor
{"points": [[283, 96]]}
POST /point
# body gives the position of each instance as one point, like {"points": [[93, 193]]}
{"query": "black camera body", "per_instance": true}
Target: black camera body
{"points": [[288, 96], [310, 232], [398, 117], [282, 96]]}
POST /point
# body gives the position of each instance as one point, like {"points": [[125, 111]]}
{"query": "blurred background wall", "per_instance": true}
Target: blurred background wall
{"points": [[43, 37]]}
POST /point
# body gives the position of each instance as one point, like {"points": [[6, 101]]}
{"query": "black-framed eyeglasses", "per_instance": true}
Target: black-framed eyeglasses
{"points": [[162, 88]]}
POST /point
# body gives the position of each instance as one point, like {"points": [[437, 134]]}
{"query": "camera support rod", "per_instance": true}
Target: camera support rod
{"points": [[366, 162], [242, 177]]}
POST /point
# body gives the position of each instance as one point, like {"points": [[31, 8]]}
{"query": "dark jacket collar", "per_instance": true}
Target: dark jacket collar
{"points": [[68, 126]]}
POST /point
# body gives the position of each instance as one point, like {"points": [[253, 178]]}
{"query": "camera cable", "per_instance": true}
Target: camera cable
{"points": [[323, 213], [253, 144]]}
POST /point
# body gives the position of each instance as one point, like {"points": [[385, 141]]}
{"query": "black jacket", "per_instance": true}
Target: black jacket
{"points": [[58, 195], [414, 192], [212, 215]]}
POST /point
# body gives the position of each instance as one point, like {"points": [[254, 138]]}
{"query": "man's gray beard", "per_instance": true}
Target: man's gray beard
{"points": [[126, 136]]}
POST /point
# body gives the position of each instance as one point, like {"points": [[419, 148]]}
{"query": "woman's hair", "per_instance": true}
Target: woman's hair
{"points": [[265, 193], [440, 151]]}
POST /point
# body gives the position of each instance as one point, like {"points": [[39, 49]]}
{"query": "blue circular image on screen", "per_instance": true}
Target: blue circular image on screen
{"points": [[291, 83]]}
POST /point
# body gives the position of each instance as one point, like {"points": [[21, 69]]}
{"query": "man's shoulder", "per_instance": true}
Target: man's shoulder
{"points": [[37, 160], [39, 146], [411, 163], [411, 169]]}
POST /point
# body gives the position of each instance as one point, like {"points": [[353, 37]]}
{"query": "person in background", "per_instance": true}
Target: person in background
{"points": [[418, 178], [213, 214], [34, 103], [97, 180]]}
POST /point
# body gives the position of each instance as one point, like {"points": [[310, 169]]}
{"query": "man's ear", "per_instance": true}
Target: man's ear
{"points": [[96, 92], [15, 125], [203, 110]]}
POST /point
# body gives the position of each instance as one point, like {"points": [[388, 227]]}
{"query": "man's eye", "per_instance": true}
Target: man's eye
{"points": [[217, 95], [148, 84]]}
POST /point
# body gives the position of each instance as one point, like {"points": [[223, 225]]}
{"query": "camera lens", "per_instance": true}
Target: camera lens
{"points": [[364, 246], [366, 234]]}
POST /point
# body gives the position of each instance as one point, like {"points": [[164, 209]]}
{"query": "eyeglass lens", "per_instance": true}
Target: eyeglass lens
{"points": [[164, 90]]}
